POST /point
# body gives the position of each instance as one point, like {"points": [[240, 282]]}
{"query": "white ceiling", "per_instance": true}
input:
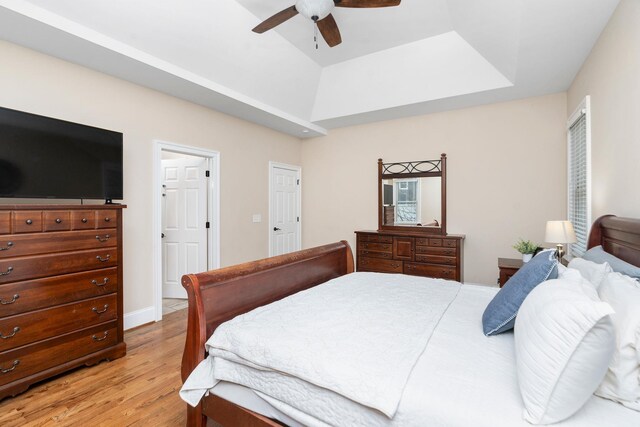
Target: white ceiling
{"points": [[422, 56], [363, 31]]}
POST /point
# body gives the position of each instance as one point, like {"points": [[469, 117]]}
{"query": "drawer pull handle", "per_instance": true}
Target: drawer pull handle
{"points": [[15, 331], [104, 309], [105, 259], [84, 220], [104, 337], [9, 246], [28, 222], [15, 297], [58, 220], [103, 239], [107, 219], [9, 270], [104, 282], [15, 363]]}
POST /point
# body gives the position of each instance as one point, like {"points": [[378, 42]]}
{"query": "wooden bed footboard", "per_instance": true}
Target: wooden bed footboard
{"points": [[220, 295]]}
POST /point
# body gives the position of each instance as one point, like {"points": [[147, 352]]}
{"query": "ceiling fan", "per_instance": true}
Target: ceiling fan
{"points": [[319, 11]]}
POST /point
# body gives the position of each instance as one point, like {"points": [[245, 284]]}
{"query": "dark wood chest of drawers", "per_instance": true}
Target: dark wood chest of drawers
{"points": [[410, 253], [60, 290]]}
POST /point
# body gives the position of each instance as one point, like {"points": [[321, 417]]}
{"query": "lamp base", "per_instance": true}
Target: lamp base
{"points": [[559, 252]]}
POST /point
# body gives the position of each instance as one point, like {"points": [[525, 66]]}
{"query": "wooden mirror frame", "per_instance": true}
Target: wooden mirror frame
{"points": [[438, 168]]}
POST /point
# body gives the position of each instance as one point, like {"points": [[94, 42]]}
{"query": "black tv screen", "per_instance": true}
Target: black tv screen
{"points": [[41, 157]]}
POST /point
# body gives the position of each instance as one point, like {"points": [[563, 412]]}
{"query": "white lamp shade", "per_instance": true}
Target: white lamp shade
{"points": [[560, 232], [319, 8]]}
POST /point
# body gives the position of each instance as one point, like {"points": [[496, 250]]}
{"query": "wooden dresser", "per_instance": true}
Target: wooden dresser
{"points": [[410, 253], [60, 290]]}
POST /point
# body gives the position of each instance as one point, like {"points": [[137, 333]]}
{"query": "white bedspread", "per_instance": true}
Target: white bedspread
{"points": [[462, 379], [347, 354]]}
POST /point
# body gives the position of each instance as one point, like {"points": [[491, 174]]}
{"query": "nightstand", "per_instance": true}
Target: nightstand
{"points": [[508, 267]]}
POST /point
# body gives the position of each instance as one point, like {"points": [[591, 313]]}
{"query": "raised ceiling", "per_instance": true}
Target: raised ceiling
{"points": [[422, 56]]}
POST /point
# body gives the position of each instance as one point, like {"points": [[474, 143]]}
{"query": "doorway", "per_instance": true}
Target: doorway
{"points": [[284, 208], [186, 223]]}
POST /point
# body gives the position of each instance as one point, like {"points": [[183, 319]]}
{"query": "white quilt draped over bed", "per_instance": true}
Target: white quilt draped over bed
{"points": [[363, 349]]}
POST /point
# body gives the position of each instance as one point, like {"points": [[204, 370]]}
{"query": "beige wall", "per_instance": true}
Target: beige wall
{"points": [[506, 175], [611, 76], [30, 81]]}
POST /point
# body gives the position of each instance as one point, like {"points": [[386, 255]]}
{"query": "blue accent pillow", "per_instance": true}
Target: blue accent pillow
{"points": [[500, 314], [599, 256]]}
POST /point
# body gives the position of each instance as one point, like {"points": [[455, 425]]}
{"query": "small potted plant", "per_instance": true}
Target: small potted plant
{"points": [[527, 248]]}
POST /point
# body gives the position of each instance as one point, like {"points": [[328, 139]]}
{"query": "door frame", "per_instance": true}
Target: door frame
{"points": [[213, 211], [298, 171]]}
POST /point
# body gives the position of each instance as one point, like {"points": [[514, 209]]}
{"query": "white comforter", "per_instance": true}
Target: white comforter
{"points": [[347, 354]]}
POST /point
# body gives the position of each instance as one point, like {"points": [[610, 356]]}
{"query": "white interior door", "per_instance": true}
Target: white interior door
{"points": [[184, 216], [285, 210]]}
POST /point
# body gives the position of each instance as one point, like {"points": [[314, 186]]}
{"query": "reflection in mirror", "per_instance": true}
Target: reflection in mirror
{"points": [[412, 201]]}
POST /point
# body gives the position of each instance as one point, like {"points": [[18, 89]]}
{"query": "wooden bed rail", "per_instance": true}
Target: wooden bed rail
{"points": [[220, 295]]}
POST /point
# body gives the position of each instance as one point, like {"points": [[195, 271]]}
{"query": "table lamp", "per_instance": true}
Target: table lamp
{"points": [[560, 232]]}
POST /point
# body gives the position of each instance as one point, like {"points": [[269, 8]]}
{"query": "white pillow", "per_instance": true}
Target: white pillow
{"points": [[593, 272], [573, 276], [564, 341], [622, 382]]}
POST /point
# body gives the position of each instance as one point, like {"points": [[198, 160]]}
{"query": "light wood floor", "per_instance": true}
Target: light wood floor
{"points": [[140, 389]]}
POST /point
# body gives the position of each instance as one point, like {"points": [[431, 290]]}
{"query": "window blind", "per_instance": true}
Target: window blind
{"points": [[578, 184]]}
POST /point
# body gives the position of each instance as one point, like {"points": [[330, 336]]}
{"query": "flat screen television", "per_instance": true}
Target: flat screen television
{"points": [[41, 157]]}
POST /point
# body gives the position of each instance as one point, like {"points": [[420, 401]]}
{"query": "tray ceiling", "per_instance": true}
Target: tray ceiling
{"points": [[419, 57]]}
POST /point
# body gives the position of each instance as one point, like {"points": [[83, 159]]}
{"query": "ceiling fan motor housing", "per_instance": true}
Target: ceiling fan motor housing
{"points": [[315, 10]]}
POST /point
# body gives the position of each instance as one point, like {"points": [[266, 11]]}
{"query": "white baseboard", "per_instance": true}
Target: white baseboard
{"points": [[139, 317]]}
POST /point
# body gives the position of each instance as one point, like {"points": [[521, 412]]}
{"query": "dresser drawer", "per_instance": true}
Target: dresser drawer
{"points": [[26, 222], [450, 243], [375, 238], [435, 250], [40, 243], [372, 254], [436, 259], [437, 271], [56, 221], [106, 218], [83, 220], [379, 247], [381, 265], [5, 222], [42, 324], [25, 361], [32, 267], [20, 297], [435, 242]]}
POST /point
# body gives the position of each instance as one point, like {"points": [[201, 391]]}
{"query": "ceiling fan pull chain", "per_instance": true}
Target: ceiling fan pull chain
{"points": [[315, 34]]}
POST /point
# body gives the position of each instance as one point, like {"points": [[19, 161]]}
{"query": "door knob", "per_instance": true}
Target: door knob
{"points": [[162, 235], [276, 229]]}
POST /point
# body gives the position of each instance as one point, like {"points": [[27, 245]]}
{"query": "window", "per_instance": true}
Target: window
{"points": [[407, 201], [579, 175]]}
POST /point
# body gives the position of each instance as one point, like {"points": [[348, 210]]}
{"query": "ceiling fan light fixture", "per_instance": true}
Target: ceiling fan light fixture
{"points": [[315, 10]]}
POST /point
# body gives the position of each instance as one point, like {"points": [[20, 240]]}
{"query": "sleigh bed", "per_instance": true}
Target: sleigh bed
{"points": [[461, 362]]}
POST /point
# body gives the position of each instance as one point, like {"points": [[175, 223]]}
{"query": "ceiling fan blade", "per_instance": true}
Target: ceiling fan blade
{"points": [[366, 3], [276, 20], [329, 30]]}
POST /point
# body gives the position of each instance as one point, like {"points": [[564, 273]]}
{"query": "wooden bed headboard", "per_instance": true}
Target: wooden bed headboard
{"points": [[618, 236]]}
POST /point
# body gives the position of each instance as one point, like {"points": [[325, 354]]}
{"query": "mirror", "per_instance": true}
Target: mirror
{"points": [[412, 201], [412, 196]]}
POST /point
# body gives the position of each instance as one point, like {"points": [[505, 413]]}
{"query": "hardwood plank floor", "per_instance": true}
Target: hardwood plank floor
{"points": [[140, 389]]}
